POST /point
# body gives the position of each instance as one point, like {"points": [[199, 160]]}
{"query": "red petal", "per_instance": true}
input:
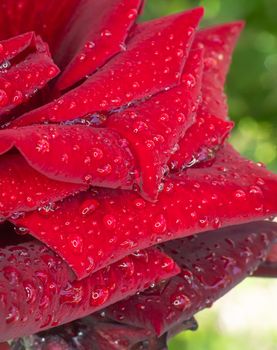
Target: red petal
{"points": [[12, 47], [20, 80], [267, 269], [155, 127], [153, 61], [104, 158], [23, 189], [272, 256], [37, 290], [104, 335], [200, 142], [97, 32], [76, 154], [231, 191], [210, 131], [211, 264], [45, 18]]}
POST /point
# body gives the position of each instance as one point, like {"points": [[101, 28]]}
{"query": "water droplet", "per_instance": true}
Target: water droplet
{"points": [[159, 225], [180, 301], [139, 203], [240, 194], [106, 33], [13, 315], [4, 65], [11, 274], [109, 222], [132, 13], [18, 97], [97, 153], [168, 264], [89, 206], [76, 242], [3, 98], [127, 266], [30, 291], [99, 296], [43, 146], [47, 210]]}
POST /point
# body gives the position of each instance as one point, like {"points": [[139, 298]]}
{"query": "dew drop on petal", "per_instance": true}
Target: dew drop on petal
{"points": [[99, 296], [180, 301]]}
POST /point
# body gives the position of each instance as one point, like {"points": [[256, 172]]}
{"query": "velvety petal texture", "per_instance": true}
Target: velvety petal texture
{"points": [[211, 265], [211, 126], [153, 61], [25, 67], [230, 191], [75, 154], [97, 31], [42, 291], [23, 189], [123, 209]]}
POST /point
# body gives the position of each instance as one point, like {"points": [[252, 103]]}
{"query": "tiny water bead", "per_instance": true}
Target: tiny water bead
{"points": [[180, 301], [89, 206], [5, 65]]}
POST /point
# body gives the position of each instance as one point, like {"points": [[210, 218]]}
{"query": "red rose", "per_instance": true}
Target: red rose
{"points": [[113, 161]]}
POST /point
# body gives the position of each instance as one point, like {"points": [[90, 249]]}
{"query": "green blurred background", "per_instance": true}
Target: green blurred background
{"points": [[247, 317]]}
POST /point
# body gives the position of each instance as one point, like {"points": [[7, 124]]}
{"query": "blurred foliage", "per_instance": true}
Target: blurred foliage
{"points": [[252, 82], [252, 93]]}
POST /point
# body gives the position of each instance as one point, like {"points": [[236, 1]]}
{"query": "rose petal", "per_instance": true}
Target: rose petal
{"points": [[154, 128], [12, 47], [104, 335], [201, 142], [44, 293], [97, 31], [23, 189], [272, 256], [152, 62], [111, 224], [45, 18], [76, 154], [212, 264], [211, 127], [267, 269], [104, 158], [20, 80]]}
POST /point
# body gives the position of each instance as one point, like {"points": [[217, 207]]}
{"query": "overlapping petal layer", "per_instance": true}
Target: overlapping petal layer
{"points": [[97, 31], [104, 225], [74, 153], [100, 156], [38, 290], [155, 127], [25, 67], [212, 126], [211, 264], [22, 189], [46, 18], [155, 102], [153, 61]]}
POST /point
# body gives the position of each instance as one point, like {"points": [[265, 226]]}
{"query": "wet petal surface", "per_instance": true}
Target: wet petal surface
{"points": [[97, 31], [25, 67], [211, 265], [110, 224], [23, 189], [155, 127], [38, 290], [212, 126], [74, 153], [153, 61]]}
